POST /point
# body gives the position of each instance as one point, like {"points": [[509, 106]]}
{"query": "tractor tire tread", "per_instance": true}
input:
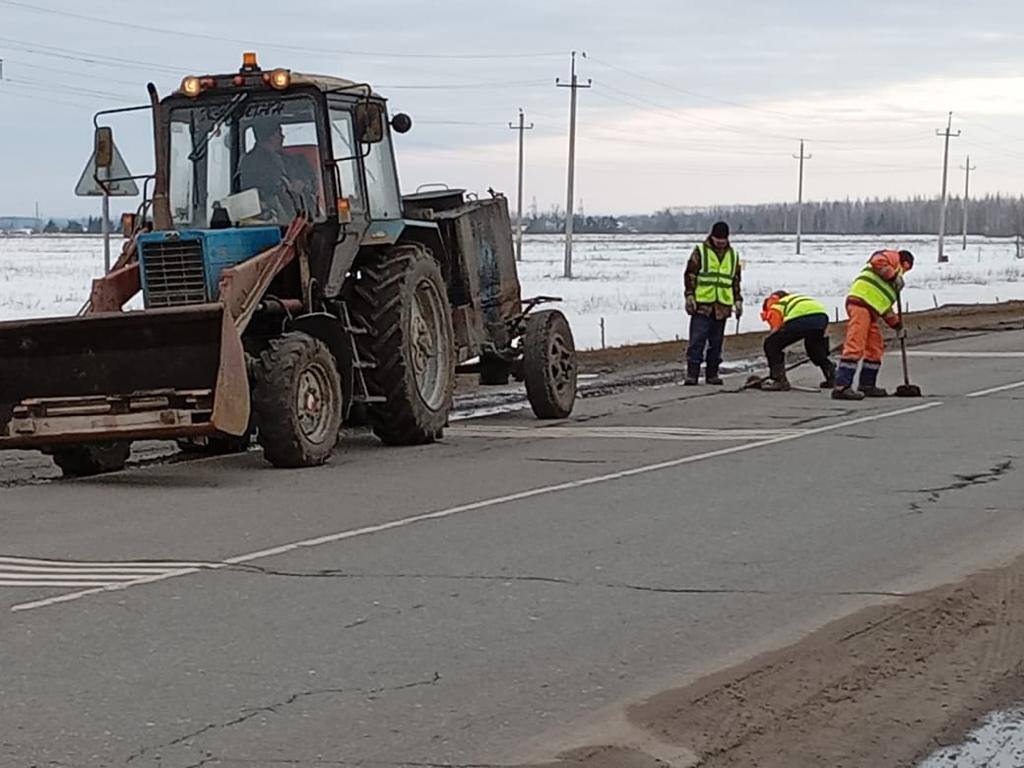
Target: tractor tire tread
{"points": [[92, 459], [274, 403], [540, 391], [403, 419]]}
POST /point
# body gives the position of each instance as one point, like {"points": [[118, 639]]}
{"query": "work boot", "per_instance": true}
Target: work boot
{"points": [[777, 382], [829, 372], [692, 374], [712, 377], [873, 391], [846, 393]]}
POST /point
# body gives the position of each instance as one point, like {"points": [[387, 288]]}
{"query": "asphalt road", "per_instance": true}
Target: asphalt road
{"points": [[497, 597]]}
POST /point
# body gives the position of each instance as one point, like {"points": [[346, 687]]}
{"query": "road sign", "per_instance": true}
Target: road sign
{"points": [[89, 187]]}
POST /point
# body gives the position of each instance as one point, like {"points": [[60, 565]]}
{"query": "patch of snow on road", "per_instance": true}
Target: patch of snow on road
{"points": [[998, 743]]}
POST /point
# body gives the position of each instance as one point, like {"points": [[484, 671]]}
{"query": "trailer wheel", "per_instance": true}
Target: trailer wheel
{"points": [[92, 459], [403, 302], [549, 364], [297, 401], [494, 371]]}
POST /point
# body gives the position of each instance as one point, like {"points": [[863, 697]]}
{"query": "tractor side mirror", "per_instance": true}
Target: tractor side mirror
{"points": [[401, 123], [370, 122], [104, 147]]}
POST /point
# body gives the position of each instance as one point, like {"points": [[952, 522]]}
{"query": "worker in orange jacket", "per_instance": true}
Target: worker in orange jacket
{"points": [[872, 296], [794, 317]]}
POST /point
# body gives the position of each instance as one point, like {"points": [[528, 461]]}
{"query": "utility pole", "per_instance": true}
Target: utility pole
{"points": [[945, 173], [574, 86], [967, 190], [522, 128], [800, 194]]}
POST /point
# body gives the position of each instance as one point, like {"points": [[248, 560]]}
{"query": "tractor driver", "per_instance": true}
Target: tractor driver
{"points": [[286, 183]]}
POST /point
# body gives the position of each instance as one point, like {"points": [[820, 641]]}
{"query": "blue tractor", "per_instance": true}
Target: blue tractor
{"points": [[287, 287]]}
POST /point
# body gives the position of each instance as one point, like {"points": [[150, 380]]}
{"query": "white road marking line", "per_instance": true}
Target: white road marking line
{"points": [[621, 433], [147, 564], [100, 578], [584, 429], [983, 392], [474, 506], [978, 355], [77, 584], [80, 574]]}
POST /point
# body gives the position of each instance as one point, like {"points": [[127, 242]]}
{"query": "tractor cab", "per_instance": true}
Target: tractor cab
{"points": [[257, 148]]}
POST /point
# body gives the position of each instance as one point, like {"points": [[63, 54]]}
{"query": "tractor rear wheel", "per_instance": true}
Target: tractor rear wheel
{"points": [[297, 401], [403, 302], [92, 459], [549, 364]]}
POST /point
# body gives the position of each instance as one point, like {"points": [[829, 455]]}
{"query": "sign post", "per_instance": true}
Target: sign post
{"points": [[106, 175]]}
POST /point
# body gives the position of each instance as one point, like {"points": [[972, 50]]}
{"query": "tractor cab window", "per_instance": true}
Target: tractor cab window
{"points": [[382, 181], [345, 153], [252, 160]]}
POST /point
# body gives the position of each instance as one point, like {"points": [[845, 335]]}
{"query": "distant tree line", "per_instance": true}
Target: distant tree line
{"points": [[996, 215], [93, 226]]}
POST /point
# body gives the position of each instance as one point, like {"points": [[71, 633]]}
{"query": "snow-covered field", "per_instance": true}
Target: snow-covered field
{"points": [[633, 282]]}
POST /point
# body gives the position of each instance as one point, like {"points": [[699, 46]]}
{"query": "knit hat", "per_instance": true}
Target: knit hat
{"points": [[720, 229], [906, 257]]}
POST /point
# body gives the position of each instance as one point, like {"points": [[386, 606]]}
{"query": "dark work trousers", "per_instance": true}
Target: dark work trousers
{"points": [[706, 331], [810, 328]]}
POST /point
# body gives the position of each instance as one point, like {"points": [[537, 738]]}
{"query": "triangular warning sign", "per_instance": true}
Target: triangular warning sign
{"points": [[89, 187]]}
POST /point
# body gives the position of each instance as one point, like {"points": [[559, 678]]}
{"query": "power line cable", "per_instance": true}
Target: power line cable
{"points": [[41, 49], [263, 44]]}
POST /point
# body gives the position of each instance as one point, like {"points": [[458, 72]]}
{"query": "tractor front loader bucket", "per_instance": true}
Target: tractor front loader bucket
{"points": [[154, 374]]}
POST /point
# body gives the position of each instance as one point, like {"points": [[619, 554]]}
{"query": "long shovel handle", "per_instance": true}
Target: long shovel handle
{"points": [[903, 338]]}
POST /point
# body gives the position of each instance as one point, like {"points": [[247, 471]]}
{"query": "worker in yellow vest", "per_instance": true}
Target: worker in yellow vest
{"points": [[872, 297], [711, 285], [794, 317]]}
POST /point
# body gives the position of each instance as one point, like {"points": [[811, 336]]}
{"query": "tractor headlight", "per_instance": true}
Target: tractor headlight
{"points": [[279, 79], [191, 86]]}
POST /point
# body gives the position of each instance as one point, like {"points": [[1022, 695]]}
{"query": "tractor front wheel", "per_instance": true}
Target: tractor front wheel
{"points": [[549, 364], [92, 459], [297, 401]]}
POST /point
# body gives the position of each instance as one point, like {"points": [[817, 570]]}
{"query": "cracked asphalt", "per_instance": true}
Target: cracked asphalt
{"points": [[489, 600]]}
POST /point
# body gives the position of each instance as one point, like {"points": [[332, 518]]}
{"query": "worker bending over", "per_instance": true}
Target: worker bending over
{"points": [[872, 297], [792, 318]]}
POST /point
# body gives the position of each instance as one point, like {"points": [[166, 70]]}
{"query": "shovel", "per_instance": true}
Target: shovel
{"points": [[906, 389]]}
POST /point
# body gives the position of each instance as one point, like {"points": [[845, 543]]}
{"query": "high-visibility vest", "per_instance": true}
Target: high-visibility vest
{"points": [[794, 305], [873, 290], [714, 280]]}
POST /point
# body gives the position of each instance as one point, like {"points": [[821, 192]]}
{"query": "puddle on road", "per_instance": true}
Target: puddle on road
{"points": [[997, 743]]}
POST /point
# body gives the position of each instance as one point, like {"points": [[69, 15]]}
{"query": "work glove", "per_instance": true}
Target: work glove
{"points": [[898, 283], [738, 309], [691, 304]]}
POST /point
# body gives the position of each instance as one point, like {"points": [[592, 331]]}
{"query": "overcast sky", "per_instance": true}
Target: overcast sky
{"points": [[692, 103]]}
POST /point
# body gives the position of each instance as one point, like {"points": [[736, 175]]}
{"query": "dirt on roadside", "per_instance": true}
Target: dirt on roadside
{"points": [[883, 687]]}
